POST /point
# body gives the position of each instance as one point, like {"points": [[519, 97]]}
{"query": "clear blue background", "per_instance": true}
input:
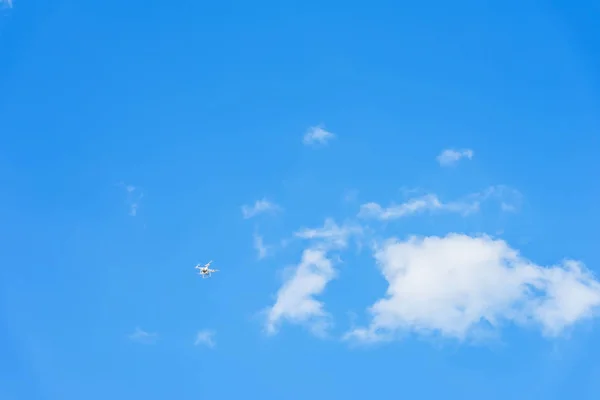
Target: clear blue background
{"points": [[202, 105]]}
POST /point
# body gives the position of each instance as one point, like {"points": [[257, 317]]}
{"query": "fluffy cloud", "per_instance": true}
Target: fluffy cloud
{"points": [[141, 336], [450, 157], [317, 135], [430, 202], [460, 286], [205, 337], [296, 301], [259, 207]]}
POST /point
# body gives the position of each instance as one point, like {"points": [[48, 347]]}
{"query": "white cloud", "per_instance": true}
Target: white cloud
{"points": [[431, 202], [296, 301], [260, 246], [142, 336], [317, 135], [205, 337], [460, 286], [259, 207], [450, 157]]}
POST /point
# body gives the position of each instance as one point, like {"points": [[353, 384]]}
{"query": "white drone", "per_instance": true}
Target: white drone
{"points": [[204, 270]]}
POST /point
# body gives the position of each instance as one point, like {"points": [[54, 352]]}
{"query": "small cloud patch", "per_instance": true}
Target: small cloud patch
{"points": [[259, 207], [450, 157], [205, 338], [317, 135], [142, 336]]}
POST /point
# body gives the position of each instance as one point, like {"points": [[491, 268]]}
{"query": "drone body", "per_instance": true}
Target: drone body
{"points": [[204, 270]]}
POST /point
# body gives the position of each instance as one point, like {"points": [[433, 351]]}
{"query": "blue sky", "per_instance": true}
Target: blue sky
{"points": [[425, 177]]}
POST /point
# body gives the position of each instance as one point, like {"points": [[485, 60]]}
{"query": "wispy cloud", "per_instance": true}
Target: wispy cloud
{"points": [[463, 287], [7, 3], [510, 199], [430, 202], [330, 235], [259, 207], [350, 195], [260, 246], [317, 135], [450, 157], [142, 336], [205, 337], [134, 196], [508, 207]]}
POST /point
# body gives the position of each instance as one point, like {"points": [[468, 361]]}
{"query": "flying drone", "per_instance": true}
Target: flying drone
{"points": [[204, 270]]}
